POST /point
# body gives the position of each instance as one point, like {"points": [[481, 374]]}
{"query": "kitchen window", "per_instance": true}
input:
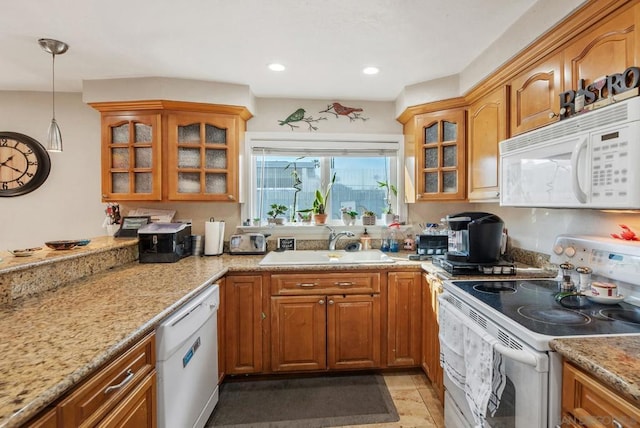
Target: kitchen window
{"points": [[287, 170]]}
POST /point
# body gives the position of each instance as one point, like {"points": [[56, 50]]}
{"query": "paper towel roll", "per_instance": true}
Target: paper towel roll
{"points": [[213, 238]]}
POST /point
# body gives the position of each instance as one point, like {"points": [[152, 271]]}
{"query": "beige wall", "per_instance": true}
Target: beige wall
{"points": [[67, 205]]}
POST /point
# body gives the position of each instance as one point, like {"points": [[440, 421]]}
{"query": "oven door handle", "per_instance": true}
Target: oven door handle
{"points": [[521, 356]]}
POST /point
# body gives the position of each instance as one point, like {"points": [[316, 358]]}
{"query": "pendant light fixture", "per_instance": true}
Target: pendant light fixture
{"points": [[54, 47]]}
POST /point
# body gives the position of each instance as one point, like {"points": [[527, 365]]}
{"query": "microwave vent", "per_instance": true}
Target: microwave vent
{"points": [[584, 122]]}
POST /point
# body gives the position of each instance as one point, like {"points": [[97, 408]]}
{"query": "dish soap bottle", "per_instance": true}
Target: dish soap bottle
{"points": [[365, 240]]}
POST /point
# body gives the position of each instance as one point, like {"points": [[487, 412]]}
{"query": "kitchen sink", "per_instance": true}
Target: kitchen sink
{"points": [[325, 257]]}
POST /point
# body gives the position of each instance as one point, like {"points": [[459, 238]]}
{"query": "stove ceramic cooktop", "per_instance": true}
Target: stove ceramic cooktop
{"points": [[533, 305]]}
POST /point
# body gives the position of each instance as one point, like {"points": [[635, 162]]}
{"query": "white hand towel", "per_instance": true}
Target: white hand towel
{"points": [[478, 358], [451, 344]]}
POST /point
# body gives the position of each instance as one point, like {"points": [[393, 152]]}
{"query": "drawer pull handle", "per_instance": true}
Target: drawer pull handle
{"points": [[125, 381], [344, 283], [306, 284]]}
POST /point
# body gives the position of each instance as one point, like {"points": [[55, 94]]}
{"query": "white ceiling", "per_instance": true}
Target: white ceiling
{"points": [[323, 43]]}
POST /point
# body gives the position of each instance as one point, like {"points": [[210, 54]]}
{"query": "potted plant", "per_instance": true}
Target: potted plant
{"points": [[276, 210], [388, 210], [319, 203], [368, 218], [348, 216], [304, 216]]}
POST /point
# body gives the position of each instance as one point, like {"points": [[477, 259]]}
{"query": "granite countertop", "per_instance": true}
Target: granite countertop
{"points": [[54, 339], [613, 360]]}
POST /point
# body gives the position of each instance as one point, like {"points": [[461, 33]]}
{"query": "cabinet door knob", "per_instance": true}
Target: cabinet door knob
{"points": [[331, 302], [321, 302]]}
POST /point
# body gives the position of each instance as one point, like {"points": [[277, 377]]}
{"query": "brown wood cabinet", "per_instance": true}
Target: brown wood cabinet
{"points": [[404, 319], [244, 318], [202, 153], [535, 95], [608, 48], [325, 321], [431, 289], [325, 332], [440, 144], [170, 150], [121, 394], [488, 125], [588, 402], [131, 156]]}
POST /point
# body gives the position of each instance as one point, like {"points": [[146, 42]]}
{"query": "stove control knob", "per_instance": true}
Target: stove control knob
{"points": [[558, 249], [570, 251]]}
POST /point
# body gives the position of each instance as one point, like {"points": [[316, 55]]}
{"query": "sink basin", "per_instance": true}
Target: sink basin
{"points": [[325, 257]]}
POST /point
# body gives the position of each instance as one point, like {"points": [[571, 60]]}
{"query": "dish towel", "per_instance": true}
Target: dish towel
{"points": [[468, 357], [485, 377], [451, 339]]}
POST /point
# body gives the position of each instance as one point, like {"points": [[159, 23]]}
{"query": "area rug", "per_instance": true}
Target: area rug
{"points": [[323, 401]]}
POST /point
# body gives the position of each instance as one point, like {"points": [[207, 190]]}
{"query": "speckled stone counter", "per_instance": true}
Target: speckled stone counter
{"points": [[50, 341], [613, 360], [47, 269]]}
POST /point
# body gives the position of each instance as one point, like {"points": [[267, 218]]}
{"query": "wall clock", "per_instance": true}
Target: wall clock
{"points": [[24, 164]]}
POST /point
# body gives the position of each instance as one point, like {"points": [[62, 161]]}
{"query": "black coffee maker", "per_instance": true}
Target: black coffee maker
{"points": [[474, 237]]}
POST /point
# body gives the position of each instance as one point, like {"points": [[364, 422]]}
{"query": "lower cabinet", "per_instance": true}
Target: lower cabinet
{"points": [[320, 332], [431, 288], [404, 318], [588, 402], [243, 324], [121, 394]]}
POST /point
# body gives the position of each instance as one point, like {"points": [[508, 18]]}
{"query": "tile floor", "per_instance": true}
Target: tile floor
{"points": [[415, 401]]}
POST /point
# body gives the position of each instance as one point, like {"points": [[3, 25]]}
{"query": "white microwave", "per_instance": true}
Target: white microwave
{"points": [[588, 161]]}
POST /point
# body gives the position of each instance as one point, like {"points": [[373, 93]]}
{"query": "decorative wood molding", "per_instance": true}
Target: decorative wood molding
{"points": [[161, 105], [450, 103]]}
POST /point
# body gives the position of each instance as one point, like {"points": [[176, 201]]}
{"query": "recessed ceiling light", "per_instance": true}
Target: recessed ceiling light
{"points": [[370, 70], [276, 67]]}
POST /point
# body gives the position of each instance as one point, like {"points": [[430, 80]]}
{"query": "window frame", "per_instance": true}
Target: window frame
{"points": [[330, 142]]}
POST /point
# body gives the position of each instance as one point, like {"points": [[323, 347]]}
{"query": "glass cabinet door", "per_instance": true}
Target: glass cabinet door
{"points": [[131, 152], [201, 157], [440, 152]]}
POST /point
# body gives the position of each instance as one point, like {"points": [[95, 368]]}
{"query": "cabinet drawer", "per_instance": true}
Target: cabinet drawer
{"points": [[586, 400], [90, 402], [311, 283]]}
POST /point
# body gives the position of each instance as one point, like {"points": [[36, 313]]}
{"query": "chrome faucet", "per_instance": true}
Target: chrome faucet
{"points": [[333, 237]]}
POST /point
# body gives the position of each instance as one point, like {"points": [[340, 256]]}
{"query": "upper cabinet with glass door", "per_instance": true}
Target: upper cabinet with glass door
{"points": [[440, 155], [131, 157], [170, 150], [202, 157]]}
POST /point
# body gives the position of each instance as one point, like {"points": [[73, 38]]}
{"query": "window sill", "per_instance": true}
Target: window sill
{"points": [[312, 231]]}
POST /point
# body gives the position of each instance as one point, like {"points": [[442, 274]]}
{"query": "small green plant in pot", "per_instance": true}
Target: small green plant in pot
{"points": [[320, 203], [348, 216], [276, 210], [368, 218]]}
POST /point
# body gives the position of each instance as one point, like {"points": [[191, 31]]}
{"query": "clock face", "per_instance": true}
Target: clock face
{"points": [[24, 164]]}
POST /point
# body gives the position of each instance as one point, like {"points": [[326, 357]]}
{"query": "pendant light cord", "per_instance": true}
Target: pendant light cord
{"points": [[53, 74]]}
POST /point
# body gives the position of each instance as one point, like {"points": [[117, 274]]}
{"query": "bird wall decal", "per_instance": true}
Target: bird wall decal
{"points": [[298, 116], [353, 113]]}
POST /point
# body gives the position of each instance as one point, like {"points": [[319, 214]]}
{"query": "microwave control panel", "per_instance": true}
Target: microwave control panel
{"points": [[610, 171]]}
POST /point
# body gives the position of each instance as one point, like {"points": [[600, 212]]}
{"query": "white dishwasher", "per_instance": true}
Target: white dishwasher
{"points": [[187, 362]]}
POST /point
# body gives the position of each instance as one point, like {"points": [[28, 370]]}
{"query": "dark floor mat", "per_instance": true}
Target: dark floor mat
{"points": [[304, 402]]}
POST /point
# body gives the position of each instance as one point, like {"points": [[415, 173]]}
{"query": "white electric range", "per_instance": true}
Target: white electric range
{"points": [[519, 318]]}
